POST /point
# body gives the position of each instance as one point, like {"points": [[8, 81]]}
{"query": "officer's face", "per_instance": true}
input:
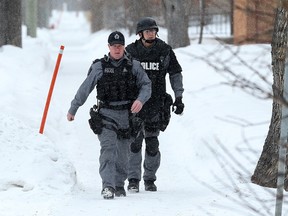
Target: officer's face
{"points": [[116, 51], [149, 34]]}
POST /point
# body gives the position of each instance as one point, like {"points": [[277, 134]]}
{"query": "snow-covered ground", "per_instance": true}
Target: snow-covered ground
{"points": [[56, 174]]}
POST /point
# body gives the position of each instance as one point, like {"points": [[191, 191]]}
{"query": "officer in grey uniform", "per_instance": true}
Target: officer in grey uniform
{"points": [[158, 60], [122, 89]]}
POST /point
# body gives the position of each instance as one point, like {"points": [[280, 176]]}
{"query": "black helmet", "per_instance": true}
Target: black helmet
{"points": [[146, 23]]}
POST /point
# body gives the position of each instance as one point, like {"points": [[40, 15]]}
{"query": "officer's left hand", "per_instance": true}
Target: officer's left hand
{"points": [[136, 106], [179, 106]]}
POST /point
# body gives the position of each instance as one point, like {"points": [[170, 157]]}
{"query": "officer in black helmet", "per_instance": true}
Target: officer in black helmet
{"points": [[122, 88], [158, 59]]}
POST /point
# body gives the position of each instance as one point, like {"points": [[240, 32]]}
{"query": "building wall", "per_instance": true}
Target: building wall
{"points": [[253, 21]]}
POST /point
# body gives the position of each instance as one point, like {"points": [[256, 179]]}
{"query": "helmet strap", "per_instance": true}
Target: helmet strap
{"points": [[148, 41]]}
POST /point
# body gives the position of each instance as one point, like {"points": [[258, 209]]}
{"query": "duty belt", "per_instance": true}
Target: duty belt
{"points": [[114, 107]]}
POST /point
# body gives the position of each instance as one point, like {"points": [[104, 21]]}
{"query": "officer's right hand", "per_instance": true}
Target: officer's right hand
{"points": [[136, 106], [70, 117]]}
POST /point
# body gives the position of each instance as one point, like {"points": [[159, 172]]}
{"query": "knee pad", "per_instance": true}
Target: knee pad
{"points": [[136, 146], [152, 146]]}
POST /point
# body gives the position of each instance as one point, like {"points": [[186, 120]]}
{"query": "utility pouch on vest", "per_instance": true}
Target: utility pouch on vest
{"points": [[165, 112], [136, 125], [95, 121]]}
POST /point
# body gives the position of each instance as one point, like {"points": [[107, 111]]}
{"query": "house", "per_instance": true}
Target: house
{"points": [[253, 21]]}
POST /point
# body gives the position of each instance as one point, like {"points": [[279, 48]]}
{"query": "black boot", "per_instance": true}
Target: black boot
{"points": [[120, 192], [149, 185], [133, 185]]}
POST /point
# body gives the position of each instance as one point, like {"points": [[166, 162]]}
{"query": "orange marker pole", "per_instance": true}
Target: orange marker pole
{"points": [[51, 89]]}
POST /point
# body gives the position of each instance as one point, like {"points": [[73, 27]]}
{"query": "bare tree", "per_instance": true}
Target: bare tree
{"points": [[96, 8], [202, 19], [176, 18], [134, 10], [10, 22], [31, 17], [114, 14], [44, 9], [265, 173], [234, 171]]}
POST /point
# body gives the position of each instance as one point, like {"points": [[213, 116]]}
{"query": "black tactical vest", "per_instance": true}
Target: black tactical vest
{"points": [[155, 61], [116, 83]]}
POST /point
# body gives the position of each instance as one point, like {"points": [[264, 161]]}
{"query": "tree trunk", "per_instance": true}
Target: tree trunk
{"points": [[134, 11], [43, 13], [96, 15], [3, 23], [10, 23], [31, 17], [202, 19], [265, 173], [114, 14], [176, 18]]}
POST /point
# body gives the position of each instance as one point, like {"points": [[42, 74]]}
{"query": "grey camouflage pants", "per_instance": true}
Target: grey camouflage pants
{"points": [[114, 152]]}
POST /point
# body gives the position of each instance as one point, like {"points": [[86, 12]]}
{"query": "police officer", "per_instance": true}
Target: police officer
{"points": [[158, 59], [122, 88]]}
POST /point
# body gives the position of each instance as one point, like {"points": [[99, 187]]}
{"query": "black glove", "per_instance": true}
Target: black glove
{"points": [[179, 106]]}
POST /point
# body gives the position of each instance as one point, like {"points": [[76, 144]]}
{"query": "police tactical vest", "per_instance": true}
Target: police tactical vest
{"points": [[155, 61], [116, 83]]}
